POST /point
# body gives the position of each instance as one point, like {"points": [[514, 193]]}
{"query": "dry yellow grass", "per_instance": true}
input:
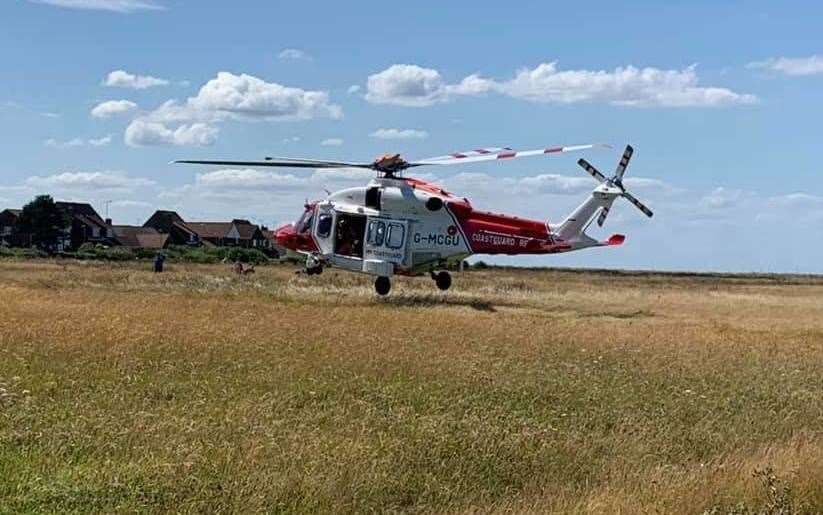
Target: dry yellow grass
{"points": [[518, 391]]}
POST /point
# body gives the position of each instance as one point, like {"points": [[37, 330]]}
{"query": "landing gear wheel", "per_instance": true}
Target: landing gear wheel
{"points": [[382, 285], [443, 280], [314, 270]]}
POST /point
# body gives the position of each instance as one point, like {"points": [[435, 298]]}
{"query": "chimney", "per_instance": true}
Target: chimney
{"points": [[108, 221]]}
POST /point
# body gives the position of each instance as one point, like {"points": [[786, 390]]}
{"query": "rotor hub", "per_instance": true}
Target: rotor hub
{"points": [[390, 164]]}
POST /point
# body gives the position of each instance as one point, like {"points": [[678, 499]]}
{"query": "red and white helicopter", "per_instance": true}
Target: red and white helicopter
{"points": [[398, 225]]}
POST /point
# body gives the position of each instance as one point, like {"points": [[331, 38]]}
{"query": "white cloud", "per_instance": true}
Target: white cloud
{"points": [[292, 139], [131, 203], [332, 142], [556, 184], [84, 181], [78, 142], [721, 198], [796, 200], [406, 84], [124, 79], [811, 65], [110, 108], [227, 97], [121, 6], [100, 142], [399, 134], [411, 85], [247, 97], [248, 179], [293, 54], [143, 133], [354, 88]]}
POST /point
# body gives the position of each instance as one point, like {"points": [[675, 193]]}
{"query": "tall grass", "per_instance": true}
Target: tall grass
{"points": [[518, 391]]}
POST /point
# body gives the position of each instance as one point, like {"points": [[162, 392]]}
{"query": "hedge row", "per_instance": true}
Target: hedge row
{"points": [[173, 253]]}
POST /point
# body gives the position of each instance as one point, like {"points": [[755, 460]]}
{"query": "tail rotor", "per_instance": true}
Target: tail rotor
{"points": [[616, 182]]}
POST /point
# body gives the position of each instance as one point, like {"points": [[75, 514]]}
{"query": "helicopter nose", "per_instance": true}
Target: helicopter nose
{"points": [[286, 236]]}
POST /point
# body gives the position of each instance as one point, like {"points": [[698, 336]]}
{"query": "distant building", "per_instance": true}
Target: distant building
{"points": [[237, 233], [169, 222], [85, 226], [136, 237], [162, 229], [9, 233]]}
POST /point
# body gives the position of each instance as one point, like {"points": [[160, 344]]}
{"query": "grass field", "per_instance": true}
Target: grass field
{"points": [[517, 391]]}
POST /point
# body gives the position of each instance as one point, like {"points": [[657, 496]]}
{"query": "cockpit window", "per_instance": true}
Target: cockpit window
{"points": [[324, 225], [303, 224]]}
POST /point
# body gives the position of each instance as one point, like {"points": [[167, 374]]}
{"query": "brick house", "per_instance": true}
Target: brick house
{"points": [[136, 237], [85, 226], [237, 233], [9, 234], [169, 222]]}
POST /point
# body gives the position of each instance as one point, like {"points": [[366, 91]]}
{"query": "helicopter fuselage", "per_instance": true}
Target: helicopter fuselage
{"points": [[407, 226]]}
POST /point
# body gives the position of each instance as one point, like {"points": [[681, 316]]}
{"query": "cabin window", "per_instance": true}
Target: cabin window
{"points": [[373, 198], [324, 225], [394, 238], [376, 233]]}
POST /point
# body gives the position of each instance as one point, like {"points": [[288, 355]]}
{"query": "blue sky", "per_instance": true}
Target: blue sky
{"points": [[722, 102]]}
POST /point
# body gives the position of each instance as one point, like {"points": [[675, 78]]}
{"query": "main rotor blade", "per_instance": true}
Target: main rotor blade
{"points": [[280, 162], [468, 153], [624, 162], [503, 154], [594, 172], [638, 204]]}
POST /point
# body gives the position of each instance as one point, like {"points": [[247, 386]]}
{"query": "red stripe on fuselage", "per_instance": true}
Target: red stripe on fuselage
{"points": [[505, 155], [493, 233]]}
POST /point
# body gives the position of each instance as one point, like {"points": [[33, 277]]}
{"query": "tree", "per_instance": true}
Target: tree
{"points": [[44, 221]]}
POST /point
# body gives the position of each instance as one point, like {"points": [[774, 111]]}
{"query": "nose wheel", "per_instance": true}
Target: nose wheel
{"points": [[382, 285], [442, 279], [313, 266]]}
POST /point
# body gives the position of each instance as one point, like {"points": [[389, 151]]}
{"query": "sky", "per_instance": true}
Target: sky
{"points": [[721, 101]]}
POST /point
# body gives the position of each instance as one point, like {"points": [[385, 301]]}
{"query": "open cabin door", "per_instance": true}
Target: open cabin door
{"points": [[386, 241], [323, 230]]}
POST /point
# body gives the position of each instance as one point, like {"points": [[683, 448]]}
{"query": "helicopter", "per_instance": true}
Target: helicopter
{"points": [[401, 225]]}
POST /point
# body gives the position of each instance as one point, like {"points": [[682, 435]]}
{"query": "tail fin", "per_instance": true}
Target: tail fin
{"points": [[575, 225]]}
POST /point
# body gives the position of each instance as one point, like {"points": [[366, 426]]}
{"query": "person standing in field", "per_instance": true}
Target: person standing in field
{"points": [[159, 259]]}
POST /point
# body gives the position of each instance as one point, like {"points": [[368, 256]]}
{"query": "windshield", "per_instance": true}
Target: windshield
{"points": [[304, 223]]}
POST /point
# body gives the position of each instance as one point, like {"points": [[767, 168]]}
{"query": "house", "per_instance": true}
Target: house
{"points": [[237, 233], [169, 222], [136, 237], [85, 226], [9, 234]]}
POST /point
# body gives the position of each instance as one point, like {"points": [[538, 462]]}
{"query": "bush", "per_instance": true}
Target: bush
{"points": [[97, 251], [215, 254], [179, 253], [21, 253]]}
